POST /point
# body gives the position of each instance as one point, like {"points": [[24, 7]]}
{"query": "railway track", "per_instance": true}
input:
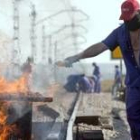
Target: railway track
{"points": [[90, 116]]}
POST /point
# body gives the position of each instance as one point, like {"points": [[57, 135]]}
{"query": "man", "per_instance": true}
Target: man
{"points": [[27, 66], [127, 36], [117, 81], [97, 75], [72, 81], [27, 70], [85, 84]]}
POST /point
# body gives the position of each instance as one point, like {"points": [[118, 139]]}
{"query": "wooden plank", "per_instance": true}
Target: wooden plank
{"points": [[21, 97]]}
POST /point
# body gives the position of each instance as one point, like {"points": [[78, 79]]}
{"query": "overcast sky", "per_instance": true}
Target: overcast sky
{"points": [[103, 18]]}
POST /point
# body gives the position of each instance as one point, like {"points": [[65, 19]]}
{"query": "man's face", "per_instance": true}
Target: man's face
{"points": [[133, 15], [134, 23]]}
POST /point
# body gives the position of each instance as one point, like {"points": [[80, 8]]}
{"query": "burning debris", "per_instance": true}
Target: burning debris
{"points": [[15, 86], [15, 123], [32, 97], [16, 99]]}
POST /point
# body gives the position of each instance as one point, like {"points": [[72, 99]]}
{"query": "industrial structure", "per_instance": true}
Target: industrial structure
{"points": [[33, 36], [16, 37]]}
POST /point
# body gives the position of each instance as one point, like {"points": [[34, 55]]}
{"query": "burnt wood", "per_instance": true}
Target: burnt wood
{"points": [[35, 97]]}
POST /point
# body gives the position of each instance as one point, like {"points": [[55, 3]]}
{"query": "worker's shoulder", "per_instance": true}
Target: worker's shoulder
{"points": [[121, 27]]}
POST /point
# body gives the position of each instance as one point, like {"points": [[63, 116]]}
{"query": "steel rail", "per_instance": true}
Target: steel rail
{"points": [[69, 135]]}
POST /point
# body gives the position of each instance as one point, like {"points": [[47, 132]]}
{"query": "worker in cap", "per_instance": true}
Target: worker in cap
{"points": [[127, 37]]}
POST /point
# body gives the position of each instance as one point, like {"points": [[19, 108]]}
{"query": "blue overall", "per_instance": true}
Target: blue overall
{"points": [[96, 73], [117, 76], [121, 37], [117, 82], [85, 85]]}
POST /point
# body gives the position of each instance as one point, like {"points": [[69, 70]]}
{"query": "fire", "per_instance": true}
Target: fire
{"points": [[17, 86], [5, 129], [3, 118]]}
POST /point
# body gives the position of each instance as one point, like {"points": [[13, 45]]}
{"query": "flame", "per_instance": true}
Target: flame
{"points": [[5, 130], [7, 87], [19, 85], [3, 118]]}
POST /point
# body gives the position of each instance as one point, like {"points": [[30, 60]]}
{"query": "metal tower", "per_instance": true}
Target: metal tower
{"points": [[50, 61], [32, 34], [44, 52], [16, 48]]}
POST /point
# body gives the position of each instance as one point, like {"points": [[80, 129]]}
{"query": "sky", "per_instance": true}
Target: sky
{"points": [[103, 18]]}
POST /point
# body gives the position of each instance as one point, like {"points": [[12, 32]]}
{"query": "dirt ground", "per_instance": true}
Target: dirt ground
{"points": [[63, 101], [121, 128], [59, 109], [48, 118], [103, 105]]}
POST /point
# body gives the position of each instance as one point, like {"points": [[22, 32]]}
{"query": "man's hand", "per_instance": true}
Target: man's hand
{"points": [[68, 61]]}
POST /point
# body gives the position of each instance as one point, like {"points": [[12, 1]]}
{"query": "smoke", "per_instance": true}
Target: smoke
{"points": [[17, 110], [42, 77]]}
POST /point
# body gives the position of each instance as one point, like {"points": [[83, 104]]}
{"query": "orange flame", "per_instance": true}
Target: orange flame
{"points": [[19, 85], [5, 129], [2, 118]]}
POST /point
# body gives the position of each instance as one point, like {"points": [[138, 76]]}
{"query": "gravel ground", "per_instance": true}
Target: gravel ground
{"points": [[63, 101], [95, 104], [58, 109], [121, 128], [47, 115]]}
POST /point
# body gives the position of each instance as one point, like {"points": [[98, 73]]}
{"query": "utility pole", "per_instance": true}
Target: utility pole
{"points": [[50, 49], [73, 25], [55, 59], [16, 48], [32, 34], [44, 52]]}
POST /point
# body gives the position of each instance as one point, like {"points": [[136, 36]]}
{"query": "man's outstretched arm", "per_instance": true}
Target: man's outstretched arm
{"points": [[91, 51]]}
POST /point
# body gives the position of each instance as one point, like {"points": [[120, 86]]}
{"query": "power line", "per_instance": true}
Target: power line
{"points": [[61, 12]]}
